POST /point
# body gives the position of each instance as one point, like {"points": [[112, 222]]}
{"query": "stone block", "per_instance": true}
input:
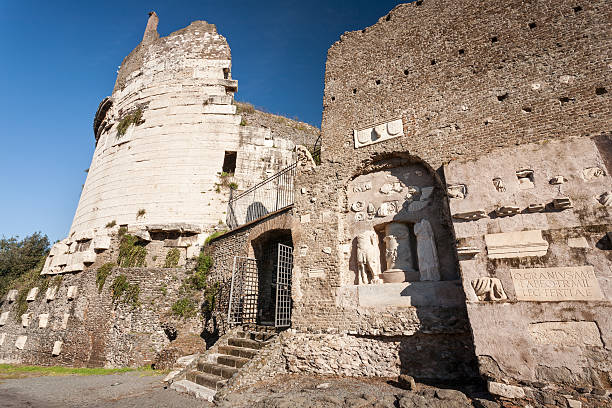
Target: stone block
{"points": [[4, 318], [20, 342], [51, 292], [440, 294], [579, 242], [566, 334], [516, 244], [25, 319], [378, 133], [43, 320], [72, 292], [32, 294], [65, 320], [2, 338], [305, 218], [505, 390], [12, 295], [102, 242], [57, 348], [555, 284]]}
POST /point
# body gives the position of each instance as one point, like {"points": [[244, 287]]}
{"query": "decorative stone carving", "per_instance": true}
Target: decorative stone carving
{"points": [[591, 173], [429, 266], [72, 292], [499, 185], [388, 208], [487, 288], [3, 318], [363, 187], [525, 178], [43, 320], [50, 293], [412, 193], [507, 210], [386, 188], [25, 319], [360, 216], [304, 158], [378, 133], [358, 206], [368, 256], [32, 294], [467, 252], [457, 191], [605, 199], [562, 203], [471, 215], [537, 207], [566, 334], [57, 348], [557, 180], [20, 342], [516, 244], [371, 210], [398, 254], [12, 295]]}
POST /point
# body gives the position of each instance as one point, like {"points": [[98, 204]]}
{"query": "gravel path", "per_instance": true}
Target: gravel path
{"points": [[118, 390]]}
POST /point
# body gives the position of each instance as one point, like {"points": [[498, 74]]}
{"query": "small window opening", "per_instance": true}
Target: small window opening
{"points": [[532, 25], [229, 162], [433, 62], [577, 9], [461, 51], [378, 82], [363, 31], [354, 90], [564, 99], [494, 39], [388, 17], [503, 97], [333, 98], [527, 109], [419, 2], [525, 179], [406, 72], [601, 91], [225, 73]]}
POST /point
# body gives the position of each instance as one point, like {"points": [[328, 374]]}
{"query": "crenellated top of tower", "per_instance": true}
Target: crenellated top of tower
{"points": [[199, 40]]}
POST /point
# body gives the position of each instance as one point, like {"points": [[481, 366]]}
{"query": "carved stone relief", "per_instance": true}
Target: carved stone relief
{"points": [[429, 267], [507, 210], [562, 203], [516, 244], [32, 294], [3, 318], [358, 206], [57, 348], [43, 320], [378, 133], [525, 179], [487, 288], [398, 254], [499, 185], [368, 256], [304, 158], [457, 191], [605, 199], [557, 180], [363, 187], [471, 215], [25, 319], [591, 173], [20, 342], [12, 295]]}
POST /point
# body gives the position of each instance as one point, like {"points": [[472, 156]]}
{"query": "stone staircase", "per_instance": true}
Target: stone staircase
{"points": [[211, 370]]}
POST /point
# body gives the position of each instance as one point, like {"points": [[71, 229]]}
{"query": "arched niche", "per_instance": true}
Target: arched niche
{"points": [[402, 191]]}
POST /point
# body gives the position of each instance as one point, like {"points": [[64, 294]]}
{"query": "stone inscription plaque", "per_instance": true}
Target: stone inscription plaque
{"points": [[556, 284]]}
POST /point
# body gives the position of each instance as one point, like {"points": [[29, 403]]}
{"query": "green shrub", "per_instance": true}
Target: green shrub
{"points": [[210, 296], [233, 185], [213, 236], [141, 213], [243, 122], [102, 273], [129, 119], [131, 252], [124, 291], [184, 308], [111, 224], [172, 258]]}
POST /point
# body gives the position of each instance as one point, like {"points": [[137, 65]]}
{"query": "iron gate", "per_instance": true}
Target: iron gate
{"points": [[243, 292], [283, 286]]}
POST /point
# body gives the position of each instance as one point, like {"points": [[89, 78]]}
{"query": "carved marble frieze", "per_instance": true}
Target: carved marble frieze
{"points": [[378, 133]]}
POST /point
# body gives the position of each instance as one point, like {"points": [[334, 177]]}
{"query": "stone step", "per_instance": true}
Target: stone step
{"points": [[193, 389], [232, 361], [214, 382], [245, 343], [259, 336], [219, 370], [237, 351]]}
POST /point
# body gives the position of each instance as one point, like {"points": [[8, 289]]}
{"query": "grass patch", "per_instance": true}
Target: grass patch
{"points": [[172, 258], [131, 252], [8, 371], [244, 107], [213, 236], [134, 118], [102, 273]]}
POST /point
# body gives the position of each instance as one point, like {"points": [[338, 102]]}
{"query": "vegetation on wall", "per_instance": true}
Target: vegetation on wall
{"points": [[213, 236], [111, 224], [102, 273], [184, 307], [132, 252], [134, 118], [124, 291], [244, 107], [210, 297], [172, 258], [141, 213], [21, 257]]}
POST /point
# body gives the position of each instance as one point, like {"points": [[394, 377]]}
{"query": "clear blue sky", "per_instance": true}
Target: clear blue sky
{"points": [[59, 59]]}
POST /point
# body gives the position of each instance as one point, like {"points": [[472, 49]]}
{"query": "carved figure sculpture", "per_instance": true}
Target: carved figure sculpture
{"points": [[304, 158], [368, 258], [429, 267], [487, 288], [605, 199], [398, 254], [591, 173]]}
